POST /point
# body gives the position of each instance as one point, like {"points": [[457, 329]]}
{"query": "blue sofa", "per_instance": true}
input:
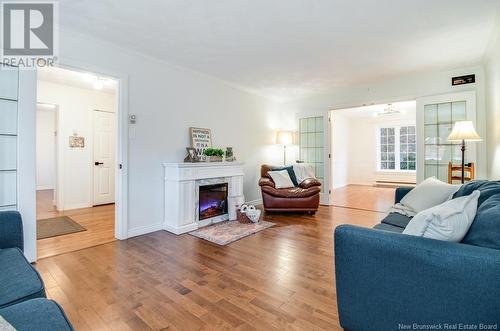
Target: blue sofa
{"points": [[389, 281], [23, 302]]}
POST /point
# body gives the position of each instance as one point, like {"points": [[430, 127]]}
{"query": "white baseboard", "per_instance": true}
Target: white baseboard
{"points": [[144, 230], [44, 187], [254, 202], [76, 206], [182, 229]]}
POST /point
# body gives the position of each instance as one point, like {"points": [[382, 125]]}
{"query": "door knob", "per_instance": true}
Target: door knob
{"points": [[98, 163]]}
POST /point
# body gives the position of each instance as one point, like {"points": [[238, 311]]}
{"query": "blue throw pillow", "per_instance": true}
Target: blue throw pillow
{"points": [[485, 230], [291, 173], [487, 188]]}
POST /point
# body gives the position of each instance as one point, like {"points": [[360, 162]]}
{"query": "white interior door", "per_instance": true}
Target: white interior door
{"points": [[436, 116], [314, 148], [104, 157]]}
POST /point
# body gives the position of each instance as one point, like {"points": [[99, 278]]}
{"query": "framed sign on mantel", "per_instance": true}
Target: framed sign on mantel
{"points": [[201, 139]]}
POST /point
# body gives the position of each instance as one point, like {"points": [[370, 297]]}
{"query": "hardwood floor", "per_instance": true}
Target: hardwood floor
{"points": [[371, 198], [99, 222], [278, 279]]}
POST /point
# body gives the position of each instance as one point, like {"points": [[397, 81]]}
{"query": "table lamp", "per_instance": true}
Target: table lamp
{"points": [[284, 138], [463, 131]]}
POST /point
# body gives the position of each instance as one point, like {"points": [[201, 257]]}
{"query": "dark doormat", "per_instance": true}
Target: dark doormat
{"points": [[57, 226]]}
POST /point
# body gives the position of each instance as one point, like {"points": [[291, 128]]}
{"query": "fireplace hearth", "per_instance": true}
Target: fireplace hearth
{"points": [[212, 200]]}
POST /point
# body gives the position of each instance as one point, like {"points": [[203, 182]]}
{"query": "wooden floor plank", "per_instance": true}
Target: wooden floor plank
{"points": [[278, 279]]}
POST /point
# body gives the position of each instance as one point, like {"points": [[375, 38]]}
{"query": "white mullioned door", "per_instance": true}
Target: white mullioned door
{"points": [[104, 138], [314, 148], [436, 116]]}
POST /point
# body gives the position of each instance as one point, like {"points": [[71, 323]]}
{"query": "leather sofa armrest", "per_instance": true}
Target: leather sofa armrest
{"points": [[309, 182], [264, 181]]}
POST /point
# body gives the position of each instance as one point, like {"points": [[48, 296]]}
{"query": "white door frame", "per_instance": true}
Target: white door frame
{"points": [[121, 175], [58, 159], [326, 197], [470, 98]]}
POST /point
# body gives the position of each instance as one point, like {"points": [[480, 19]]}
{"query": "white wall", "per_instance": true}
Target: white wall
{"points": [[340, 150], [167, 100], [409, 87], [354, 151], [492, 70], [75, 165], [362, 163], [45, 149]]}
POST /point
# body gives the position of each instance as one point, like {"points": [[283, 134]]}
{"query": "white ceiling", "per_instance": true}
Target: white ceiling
{"points": [[76, 79], [292, 48]]}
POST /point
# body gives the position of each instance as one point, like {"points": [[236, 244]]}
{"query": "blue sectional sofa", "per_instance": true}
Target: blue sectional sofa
{"points": [[23, 302], [390, 281]]}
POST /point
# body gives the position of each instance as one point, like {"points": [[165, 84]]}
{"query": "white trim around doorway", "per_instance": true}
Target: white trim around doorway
{"points": [[121, 182]]}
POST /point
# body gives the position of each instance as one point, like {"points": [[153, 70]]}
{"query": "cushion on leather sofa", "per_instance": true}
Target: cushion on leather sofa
{"points": [[397, 220], [36, 314], [291, 173], [485, 230], [19, 281]]}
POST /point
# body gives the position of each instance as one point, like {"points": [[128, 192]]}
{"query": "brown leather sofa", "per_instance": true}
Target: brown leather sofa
{"points": [[304, 198]]}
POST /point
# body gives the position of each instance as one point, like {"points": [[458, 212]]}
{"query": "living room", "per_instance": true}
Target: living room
{"points": [[229, 187]]}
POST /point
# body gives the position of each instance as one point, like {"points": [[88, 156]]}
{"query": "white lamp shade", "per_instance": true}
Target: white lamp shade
{"points": [[464, 130], [284, 137]]}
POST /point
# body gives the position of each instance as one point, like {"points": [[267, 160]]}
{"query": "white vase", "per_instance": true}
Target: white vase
{"points": [[234, 204]]}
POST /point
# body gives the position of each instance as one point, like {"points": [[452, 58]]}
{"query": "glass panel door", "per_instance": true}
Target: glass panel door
{"points": [[314, 148], [438, 123], [8, 138], [435, 119], [311, 145]]}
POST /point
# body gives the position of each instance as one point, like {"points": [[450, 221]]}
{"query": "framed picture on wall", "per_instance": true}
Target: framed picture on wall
{"points": [[201, 139]]}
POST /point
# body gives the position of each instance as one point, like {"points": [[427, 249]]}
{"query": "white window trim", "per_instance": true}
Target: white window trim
{"points": [[396, 148]]}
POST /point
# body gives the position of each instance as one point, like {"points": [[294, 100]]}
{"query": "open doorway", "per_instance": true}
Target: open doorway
{"points": [[76, 160], [374, 149]]}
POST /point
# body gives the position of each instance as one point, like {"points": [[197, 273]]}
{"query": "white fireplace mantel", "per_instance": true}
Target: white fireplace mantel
{"points": [[182, 181]]}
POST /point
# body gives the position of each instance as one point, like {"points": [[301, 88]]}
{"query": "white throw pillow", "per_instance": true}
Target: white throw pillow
{"points": [[449, 221], [303, 171], [431, 192], [281, 179]]}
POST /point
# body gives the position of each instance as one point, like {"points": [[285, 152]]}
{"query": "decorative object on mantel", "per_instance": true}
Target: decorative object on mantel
{"points": [[252, 213], [234, 204], [76, 142], [224, 233], [213, 154], [229, 155], [201, 139], [192, 156]]}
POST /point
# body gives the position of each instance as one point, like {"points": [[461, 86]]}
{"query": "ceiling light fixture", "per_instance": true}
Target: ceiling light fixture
{"points": [[388, 111]]}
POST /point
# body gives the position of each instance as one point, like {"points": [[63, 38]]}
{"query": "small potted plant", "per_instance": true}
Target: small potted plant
{"points": [[214, 154]]}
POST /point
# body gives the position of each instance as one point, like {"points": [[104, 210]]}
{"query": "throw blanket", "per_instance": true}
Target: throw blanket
{"points": [[303, 171], [5, 326], [403, 210]]}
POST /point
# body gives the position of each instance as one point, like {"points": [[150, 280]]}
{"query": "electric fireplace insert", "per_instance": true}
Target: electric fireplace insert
{"points": [[213, 200]]}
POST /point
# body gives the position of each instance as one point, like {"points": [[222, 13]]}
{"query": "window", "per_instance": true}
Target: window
{"points": [[397, 148]]}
